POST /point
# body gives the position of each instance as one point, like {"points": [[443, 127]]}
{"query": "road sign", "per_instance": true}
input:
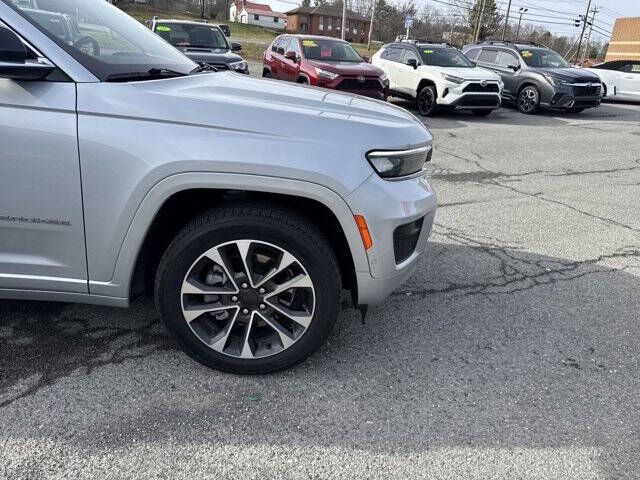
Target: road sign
{"points": [[408, 21]]}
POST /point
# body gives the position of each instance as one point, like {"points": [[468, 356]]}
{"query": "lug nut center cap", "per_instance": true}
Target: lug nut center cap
{"points": [[249, 299]]}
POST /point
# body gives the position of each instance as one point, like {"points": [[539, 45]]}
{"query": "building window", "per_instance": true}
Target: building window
{"points": [[256, 17], [275, 19]]}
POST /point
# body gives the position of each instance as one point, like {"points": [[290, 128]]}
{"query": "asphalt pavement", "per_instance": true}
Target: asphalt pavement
{"points": [[512, 352]]}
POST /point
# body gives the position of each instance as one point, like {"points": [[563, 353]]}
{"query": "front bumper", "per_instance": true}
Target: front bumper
{"points": [[371, 87], [471, 95], [566, 96], [387, 206]]}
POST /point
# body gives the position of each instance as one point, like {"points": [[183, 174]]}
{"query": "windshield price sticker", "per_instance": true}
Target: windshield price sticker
{"points": [[428, 51], [309, 43], [526, 54], [163, 28]]}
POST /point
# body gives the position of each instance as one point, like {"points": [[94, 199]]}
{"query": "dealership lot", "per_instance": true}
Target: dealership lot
{"points": [[511, 352]]}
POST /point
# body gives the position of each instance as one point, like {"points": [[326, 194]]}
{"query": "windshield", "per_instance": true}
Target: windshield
{"points": [[329, 51], [443, 57], [103, 38], [190, 35], [542, 58]]}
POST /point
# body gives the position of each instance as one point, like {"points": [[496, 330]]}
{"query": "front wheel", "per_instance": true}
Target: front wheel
{"points": [[481, 113], [249, 289], [529, 100], [426, 101]]}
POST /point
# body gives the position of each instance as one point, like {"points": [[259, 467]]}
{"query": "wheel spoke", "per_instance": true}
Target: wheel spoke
{"points": [[243, 248], [194, 311], [300, 281], [193, 286], [220, 341], [285, 337], [286, 260], [246, 349], [301, 318]]}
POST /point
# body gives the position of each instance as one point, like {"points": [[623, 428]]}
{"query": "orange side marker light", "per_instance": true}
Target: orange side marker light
{"points": [[364, 231]]}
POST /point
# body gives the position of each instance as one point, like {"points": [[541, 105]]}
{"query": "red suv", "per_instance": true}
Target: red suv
{"points": [[325, 62]]}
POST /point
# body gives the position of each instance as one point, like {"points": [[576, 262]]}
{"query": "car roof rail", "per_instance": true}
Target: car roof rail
{"points": [[417, 41]]}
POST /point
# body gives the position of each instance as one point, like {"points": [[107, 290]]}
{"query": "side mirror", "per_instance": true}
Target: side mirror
{"points": [[235, 47], [366, 58], [13, 59], [412, 62], [515, 68], [291, 55]]}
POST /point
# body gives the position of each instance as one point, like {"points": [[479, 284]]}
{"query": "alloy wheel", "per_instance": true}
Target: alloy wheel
{"points": [[425, 101], [528, 100], [248, 299]]}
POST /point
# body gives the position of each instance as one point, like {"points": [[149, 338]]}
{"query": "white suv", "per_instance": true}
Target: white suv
{"points": [[438, 75]]}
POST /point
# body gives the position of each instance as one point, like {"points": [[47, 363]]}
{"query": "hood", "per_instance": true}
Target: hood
{"points": [[569, 74], [207, 55], [277, 128], [348, 68], [475, 73]]}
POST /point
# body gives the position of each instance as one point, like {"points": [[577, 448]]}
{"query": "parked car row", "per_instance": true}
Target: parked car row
{"points": [[437, 76]]}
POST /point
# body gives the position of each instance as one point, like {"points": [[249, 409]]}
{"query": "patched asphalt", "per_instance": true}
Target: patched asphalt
{"points": [[512, 352]]}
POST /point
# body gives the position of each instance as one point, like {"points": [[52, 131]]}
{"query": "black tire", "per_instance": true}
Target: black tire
{"points": [[267, 223], [266, 74], [481, 113], [303, 81], [426, 101], [88, 45], [528, 100], [604, 90]]}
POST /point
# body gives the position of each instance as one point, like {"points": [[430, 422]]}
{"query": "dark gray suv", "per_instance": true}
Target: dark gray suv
{"points": [[536, 77]]}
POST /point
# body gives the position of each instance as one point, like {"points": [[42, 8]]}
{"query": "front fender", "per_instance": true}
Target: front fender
{"points": [[119, 285]]}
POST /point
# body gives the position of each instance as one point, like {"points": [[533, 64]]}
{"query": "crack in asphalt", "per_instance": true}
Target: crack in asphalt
{"points": [[518, 270], [63, 346]]}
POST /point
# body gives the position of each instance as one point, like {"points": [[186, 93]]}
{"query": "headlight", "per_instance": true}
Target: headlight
{"points": [[239, 66], [452, 78], [326, 75], [554, 81], [383, 77], [399, 163]]}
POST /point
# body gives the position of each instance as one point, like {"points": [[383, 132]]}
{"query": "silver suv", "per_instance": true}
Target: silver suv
{"points": [[245, 204]]}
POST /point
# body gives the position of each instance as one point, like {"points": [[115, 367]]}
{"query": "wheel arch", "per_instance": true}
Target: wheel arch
{"points": [[303, 76], [424, 82], [161, 215]]}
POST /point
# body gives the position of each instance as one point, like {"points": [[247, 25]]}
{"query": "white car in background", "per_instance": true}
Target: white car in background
{"points": [[438, 76], [620, 79]]}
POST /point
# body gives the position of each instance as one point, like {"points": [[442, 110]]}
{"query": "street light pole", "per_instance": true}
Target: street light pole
{"points": [[523, 10], [479, 25], [373, 11], [506, 21], [344, 18]]}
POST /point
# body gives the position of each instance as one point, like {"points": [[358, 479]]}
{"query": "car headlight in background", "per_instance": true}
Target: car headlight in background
{"points": [[398, 164], [555, 81], [452, 78], [240, 66], [326, 75]]}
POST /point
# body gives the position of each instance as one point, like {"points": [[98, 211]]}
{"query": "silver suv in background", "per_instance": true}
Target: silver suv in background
{"points": [[245, 204]]}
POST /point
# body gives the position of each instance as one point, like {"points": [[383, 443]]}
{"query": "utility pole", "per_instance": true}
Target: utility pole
{"points": [[373, 12], [585, 54], [479, 24], [506, 21], [523, 10], [202, 10], [344, 18], [584, 26]]}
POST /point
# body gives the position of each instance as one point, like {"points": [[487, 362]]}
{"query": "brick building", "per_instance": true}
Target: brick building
{"points": [[625, 40], [327, 20]]}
